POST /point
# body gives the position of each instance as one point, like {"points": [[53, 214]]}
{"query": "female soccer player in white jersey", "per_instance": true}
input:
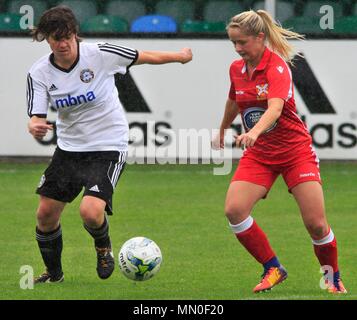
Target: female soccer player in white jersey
{"points": [[77, 78]]}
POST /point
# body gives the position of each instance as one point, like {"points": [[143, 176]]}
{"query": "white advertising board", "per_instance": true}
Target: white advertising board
{"points": [[186, 102]]}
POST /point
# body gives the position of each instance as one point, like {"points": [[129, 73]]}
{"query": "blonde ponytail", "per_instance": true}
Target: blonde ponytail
{"points": [[252, 23]]}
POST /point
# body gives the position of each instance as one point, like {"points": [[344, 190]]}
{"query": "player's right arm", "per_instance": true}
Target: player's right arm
{"points": [[230, 113], [37, 106], [38, 127]]}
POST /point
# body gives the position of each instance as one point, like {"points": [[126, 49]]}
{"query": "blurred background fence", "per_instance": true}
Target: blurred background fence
{"points": [[182, 17]]}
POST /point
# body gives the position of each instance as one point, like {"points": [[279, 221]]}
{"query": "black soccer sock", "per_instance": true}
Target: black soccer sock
{"points": [[100, 235], [50, 244]]}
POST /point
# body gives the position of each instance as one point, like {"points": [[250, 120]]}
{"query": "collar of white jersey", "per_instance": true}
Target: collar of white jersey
{"points": [[52, 61]]}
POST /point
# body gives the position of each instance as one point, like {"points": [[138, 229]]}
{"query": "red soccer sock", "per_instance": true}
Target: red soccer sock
{"points": [[326, 251], [254, 240]]}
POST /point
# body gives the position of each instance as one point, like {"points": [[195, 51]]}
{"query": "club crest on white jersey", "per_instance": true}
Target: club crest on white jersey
{"points": [[87, 75]]}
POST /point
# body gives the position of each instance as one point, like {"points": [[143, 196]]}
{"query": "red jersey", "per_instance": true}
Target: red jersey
{"points": [[288, 137]]}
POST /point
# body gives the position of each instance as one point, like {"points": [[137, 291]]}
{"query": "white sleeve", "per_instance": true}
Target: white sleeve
{"points": [[117, 58], [37, 99]]}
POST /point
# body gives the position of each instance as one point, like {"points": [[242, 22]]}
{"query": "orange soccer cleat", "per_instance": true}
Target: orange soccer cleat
{"points": [[337, 287], [271, 278]]}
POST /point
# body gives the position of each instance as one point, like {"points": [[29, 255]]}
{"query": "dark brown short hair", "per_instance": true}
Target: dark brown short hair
{"points": [[58, 22]]}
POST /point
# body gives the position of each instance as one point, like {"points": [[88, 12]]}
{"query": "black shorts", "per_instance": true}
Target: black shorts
{"points": [[98, 172]]}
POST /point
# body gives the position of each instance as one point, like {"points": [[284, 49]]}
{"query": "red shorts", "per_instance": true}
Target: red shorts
{"points": [[294, 173]]}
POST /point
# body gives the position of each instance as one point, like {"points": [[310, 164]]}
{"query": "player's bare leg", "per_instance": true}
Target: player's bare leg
{"points": [[92, 211], [240, 200], [49, 238], [309, 196]]}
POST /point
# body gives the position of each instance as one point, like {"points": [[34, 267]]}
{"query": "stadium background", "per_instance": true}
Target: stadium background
{"points": [[181, 206]]}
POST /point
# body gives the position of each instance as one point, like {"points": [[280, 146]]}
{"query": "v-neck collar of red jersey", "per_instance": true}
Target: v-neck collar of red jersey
{"points": [[262, 64]]}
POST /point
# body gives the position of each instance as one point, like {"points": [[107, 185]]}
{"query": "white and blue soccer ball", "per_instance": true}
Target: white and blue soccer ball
{"points": [[140, 258]]}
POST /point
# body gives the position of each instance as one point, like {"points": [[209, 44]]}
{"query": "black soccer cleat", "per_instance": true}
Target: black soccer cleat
{"points": [[47, 278], [105, 262]]}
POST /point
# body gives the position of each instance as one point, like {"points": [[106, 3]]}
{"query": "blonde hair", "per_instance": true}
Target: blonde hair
{"points": [[253, 22]]}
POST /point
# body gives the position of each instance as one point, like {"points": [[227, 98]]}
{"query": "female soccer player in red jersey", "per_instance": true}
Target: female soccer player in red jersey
{"points": [[276, 142]]}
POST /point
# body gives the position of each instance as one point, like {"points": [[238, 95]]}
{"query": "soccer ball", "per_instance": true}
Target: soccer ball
{"points": [[140, 258]]}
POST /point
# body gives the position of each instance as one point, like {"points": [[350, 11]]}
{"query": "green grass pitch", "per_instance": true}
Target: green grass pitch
{"points": [[181, 208]]}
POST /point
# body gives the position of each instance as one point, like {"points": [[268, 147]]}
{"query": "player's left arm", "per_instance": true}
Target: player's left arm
{"points": [[275, 108], [161, 57]]}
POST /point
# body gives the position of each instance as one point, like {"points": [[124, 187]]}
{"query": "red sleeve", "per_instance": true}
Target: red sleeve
{"points": [[232, 92], [232, 89], [279, 81]]}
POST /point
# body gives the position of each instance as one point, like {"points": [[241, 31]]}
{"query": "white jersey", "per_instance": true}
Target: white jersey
{"points": [[90, 115]]}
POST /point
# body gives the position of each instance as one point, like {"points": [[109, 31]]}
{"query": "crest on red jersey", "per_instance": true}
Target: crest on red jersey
{"points": [[251, 117], [262, 91]]}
